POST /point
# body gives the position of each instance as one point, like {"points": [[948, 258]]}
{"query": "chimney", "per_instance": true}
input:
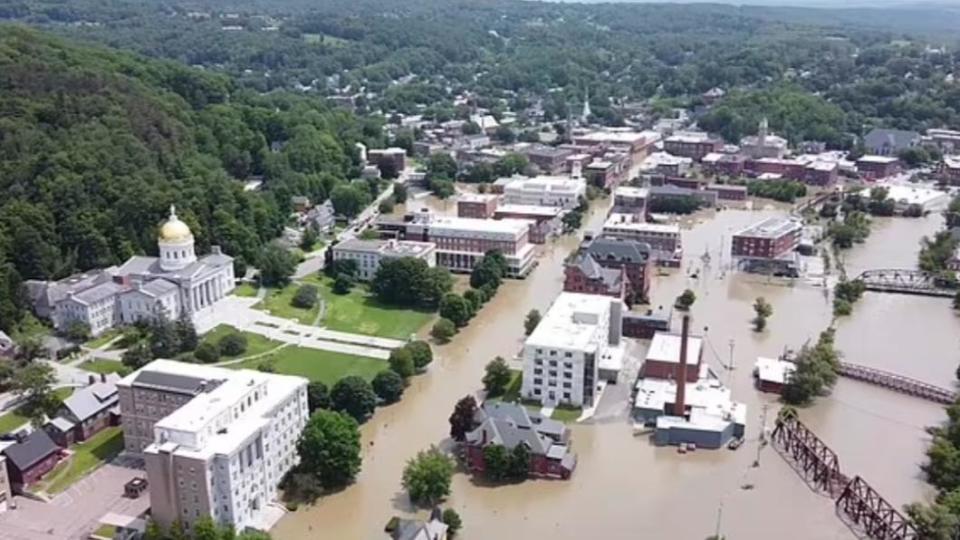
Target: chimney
{"points": [[91, 379], [103, 377], [215, 250], [680, 403]]}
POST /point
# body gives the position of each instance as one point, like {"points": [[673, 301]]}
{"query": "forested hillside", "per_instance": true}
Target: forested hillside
{"points": [[95, 144]]}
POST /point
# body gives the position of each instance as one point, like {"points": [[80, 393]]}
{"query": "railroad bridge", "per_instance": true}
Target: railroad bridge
{"points": [[897, 383], [905, 282], [854, 498]]}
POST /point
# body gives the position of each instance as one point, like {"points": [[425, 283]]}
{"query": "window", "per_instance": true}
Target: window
{"points": [[568, 354], [566, 395], [568, 375], [538, 371], [538, 381], [567, 385]]}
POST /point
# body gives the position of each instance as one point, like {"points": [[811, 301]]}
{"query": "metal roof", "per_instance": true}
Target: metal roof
{"points": [[171, 382], [34, 449]]}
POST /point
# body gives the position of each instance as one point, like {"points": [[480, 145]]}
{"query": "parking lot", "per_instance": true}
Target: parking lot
{"points": [[74, 513]]}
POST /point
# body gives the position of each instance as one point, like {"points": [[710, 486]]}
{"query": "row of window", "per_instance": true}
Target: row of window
{"points": [[538, 392]]}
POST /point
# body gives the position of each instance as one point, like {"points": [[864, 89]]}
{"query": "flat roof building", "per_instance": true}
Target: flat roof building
{"points": [[562, 191], [664, 239], [663, 357], [772, 238], [563, 356], [223, 444], [772, 374], [370, 253]]}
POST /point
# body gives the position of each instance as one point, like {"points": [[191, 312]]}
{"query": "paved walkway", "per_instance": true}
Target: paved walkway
{"points": [[75, 513], [239, 313]]}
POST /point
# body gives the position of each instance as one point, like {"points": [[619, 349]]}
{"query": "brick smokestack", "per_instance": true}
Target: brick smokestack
{"points": [[680, 403]]}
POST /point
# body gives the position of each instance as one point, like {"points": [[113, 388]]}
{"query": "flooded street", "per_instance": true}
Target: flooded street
{"points": [[624, 487]]}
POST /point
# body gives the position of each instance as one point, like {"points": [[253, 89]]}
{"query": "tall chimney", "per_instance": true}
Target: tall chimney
{"points": [[680, 403]]}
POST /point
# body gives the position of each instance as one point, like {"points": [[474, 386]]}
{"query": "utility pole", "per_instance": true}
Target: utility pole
{"points": [[731, 367], [716, 534], [763, 433]]}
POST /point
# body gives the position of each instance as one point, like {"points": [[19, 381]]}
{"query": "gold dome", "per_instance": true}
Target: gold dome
{"points": [[175, 230]]}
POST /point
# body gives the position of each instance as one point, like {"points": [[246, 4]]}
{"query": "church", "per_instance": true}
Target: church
{"points": [[174, 284]]}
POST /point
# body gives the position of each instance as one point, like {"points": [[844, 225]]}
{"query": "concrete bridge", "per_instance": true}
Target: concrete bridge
{"points": [[905, 282]]}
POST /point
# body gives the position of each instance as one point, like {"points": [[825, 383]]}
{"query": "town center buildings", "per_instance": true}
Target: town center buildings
{"points": [[369, 253], [216, 441]]}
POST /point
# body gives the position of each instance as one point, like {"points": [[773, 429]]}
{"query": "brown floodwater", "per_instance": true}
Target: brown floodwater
{"points": [[624, 487]]}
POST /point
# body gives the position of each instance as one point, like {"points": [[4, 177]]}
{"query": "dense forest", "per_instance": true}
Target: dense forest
{"points": [[414, 56], [96, 144]]}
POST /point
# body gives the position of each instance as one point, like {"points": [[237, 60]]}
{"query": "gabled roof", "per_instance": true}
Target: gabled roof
{"points": [[87, 402], [612, 278], [32, 450], [509, 424], [893, 138], [619, 249]]}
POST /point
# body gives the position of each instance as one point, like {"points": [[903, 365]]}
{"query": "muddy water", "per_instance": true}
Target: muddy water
{"points": [[626, 488]]}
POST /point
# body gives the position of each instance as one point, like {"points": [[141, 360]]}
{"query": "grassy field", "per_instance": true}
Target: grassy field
{"points": [[245, 289], [512, 393], [256, 343], [359, 312], [327, 367], [278, 303], [105, 531], [104, 338], [566, 414], [16, 418], [87, 456], [102, 365]]}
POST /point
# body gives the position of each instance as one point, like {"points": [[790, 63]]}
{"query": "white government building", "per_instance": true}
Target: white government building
{"points": [[217, 441], [144, 288], [562, 359]]}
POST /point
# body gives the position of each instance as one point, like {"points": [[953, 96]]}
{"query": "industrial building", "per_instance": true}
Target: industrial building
{"points": [[577, 342], [698, 413], [771, 374], [663, 358]]}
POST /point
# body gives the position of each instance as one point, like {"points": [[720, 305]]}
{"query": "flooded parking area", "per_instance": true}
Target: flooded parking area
{"points": [[624, 486]]}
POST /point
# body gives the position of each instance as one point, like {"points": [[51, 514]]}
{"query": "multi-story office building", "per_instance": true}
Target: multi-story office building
{"points": [[562, 191], [477, 205], [663, 239], [691, 144], [369, 253], [222, 443], [561, 358], [771, 238]]}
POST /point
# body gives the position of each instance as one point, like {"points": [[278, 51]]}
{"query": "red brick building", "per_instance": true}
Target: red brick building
{"points": [[692, 145], [874, 167], [31, 458], [723, 164], [87, 411], [545, 221], [663, 358], [477, 205], [632, 256], [584, 275], [728, 192], [771, 238], [509, 425]]}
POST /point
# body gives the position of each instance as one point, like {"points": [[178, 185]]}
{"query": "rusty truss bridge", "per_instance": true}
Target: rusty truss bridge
{"points": [[905, 282], [855, 500], [897, 383]]}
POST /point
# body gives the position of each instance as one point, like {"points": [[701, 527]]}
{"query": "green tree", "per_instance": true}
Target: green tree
{"points": [[342, 284], [305, 297], [33, 383], [388, 386], [454, 308], [186, 334], [441, 165], [427, 476], [400, 193], [496, 376], [519, 462], [309, 239], [932, 522], [442, 187], [443, 330], [421, 352], [452, 519], [475, 299], [276, 265], [329, 448], [496, 461], [685, 301], [354, 396], [401, 362], [318, 396], [461, 420], [137, 356], [531, 322], [207, 353], [78, 331], [233, 344], [763, 311], [349, 200], [510, 165]]}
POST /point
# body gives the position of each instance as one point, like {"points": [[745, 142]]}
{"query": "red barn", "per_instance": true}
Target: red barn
{"points": [[31, 458]]}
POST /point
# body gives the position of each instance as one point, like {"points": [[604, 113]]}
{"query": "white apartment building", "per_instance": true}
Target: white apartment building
{"points": [[562, 191], [225, 441], [369, 253], [562, 357]]}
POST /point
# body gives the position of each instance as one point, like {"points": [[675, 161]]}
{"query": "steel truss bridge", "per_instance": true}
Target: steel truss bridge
{"points": [[855, 500], [905, 282]]}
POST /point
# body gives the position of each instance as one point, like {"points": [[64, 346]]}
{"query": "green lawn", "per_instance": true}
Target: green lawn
{"points": [[103, 365], [327, 367], [278, 303], [16, 418], [512, 393], [359, 312], [566, 414], [245, 289], [105, 531], [104, 338], [256, 343], [86, 457]]}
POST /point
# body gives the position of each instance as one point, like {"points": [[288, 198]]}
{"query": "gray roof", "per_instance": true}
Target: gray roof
{"points": [[170, 382], [62, 424], [611, 277], [139, 265], [619, 249], [87, 402], [509, 424], [895, 139], [98, 293], [34, 449], [159, 287]]}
